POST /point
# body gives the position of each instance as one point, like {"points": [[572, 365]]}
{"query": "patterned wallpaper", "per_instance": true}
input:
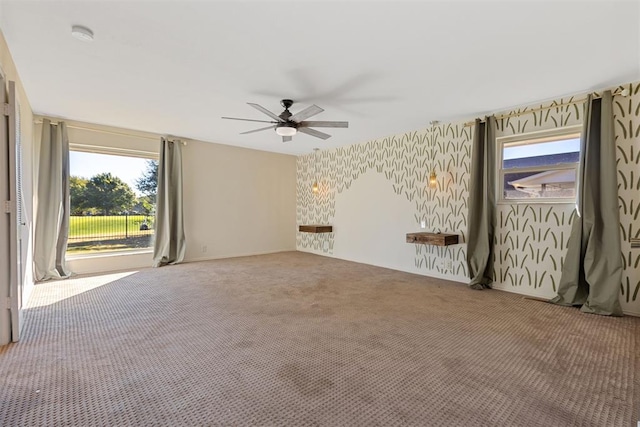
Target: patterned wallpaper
{"points": [[530, 238], [627, 121]]}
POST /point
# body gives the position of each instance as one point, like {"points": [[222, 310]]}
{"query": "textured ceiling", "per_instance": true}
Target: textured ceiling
{"points": [[176, 67]]}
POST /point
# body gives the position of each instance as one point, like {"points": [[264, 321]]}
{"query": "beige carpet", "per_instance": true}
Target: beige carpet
{"points": [[297, 339]]}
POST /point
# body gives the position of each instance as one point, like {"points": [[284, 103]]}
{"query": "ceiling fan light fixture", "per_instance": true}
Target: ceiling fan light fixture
{"points": [[286, 129]]}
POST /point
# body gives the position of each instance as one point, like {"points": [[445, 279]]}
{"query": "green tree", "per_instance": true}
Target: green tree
{"points": [[143, 205], [109, 194], [77, 189], [147, 184]]}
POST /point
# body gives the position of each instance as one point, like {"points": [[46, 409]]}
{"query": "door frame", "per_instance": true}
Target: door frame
{"points": [[16, 282], [10, 228], [5, 256]]}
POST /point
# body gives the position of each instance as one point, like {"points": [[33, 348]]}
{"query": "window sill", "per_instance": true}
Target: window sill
{"points": [[537, 202], [109, 254]]}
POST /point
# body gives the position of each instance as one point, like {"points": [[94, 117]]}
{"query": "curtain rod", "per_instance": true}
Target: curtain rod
{"points": [[39, 122], [624, 92]]}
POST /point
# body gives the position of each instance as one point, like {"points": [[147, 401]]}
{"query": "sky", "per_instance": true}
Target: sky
{"points": [[86, 165], [541, 149]]}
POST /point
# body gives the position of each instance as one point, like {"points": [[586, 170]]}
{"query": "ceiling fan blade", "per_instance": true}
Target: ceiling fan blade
{"points": [[265, 111], [314, 132], [312, 124], [286, 138], [248, 120], [257, 130], [306, 113]]}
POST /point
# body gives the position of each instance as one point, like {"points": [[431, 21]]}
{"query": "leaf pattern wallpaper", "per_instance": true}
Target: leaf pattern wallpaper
{"points": [[531, 239]]}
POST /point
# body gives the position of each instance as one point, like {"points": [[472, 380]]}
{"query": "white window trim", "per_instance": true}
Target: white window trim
{"points": [[501, 141], [115, 151]]}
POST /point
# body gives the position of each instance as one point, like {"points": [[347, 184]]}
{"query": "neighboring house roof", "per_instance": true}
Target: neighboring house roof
{"points": [[556, 179], [562, 178], [525, 182]]}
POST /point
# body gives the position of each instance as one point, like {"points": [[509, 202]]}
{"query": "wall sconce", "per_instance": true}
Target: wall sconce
{"points": [[433, 179], [315, 188]]}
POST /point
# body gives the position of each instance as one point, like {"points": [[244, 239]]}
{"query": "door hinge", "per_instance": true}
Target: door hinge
{"points": [[7, 206], [5, 109]]}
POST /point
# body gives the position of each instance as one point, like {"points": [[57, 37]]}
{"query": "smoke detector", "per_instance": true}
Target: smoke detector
{"points": [[82, 33]]}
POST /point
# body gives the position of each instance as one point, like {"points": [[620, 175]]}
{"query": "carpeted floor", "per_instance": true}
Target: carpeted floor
{"points": [[297, 339]]}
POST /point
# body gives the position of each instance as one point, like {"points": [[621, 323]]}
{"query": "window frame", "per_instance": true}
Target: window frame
{"points": [[521, 137], [112, 151]]}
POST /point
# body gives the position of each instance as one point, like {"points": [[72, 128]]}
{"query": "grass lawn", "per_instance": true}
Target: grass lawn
{"points": [[77, 247], [101, 229]]}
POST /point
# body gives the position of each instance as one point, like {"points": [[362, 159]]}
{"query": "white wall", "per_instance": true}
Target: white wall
{"points": [[237, 201], [371, 224]]}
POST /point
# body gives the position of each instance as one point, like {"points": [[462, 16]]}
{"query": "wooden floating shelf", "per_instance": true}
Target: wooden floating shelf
{"points": [[635, 243], [315, 228], [438, 239]]}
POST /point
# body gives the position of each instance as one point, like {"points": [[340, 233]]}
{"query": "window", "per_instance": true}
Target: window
{"points": [[541, 166], [112, 201]]}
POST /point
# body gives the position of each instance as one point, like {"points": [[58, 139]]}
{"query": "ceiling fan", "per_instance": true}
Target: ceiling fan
{"points": [[287, 124]]}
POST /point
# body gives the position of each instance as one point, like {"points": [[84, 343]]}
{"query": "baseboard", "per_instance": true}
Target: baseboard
{"points": [[434, 275], [543, 298], [452, 278], [237, 255], [521, 292]]}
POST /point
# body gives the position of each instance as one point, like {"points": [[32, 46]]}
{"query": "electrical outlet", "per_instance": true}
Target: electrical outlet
{"points": [[445, 264], [204, 249], [423, 223]]}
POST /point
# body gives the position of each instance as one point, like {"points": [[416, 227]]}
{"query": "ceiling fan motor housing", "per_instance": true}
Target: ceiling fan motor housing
{"points": [[286, 103], [285, 115]]}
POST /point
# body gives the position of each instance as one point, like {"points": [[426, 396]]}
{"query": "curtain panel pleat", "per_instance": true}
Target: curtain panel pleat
{"points": [[52, 216], [592, 269], [169, 246], [481, 221]]}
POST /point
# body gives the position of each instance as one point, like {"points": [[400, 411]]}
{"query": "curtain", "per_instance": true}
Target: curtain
{"points": [[592, 269], [169, 245], [482, 205], [52, 217]]}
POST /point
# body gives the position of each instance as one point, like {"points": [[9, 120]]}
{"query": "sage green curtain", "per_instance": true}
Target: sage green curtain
{"points": [[52, 215], [481, 221], [592, 269], [169, 246]]}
